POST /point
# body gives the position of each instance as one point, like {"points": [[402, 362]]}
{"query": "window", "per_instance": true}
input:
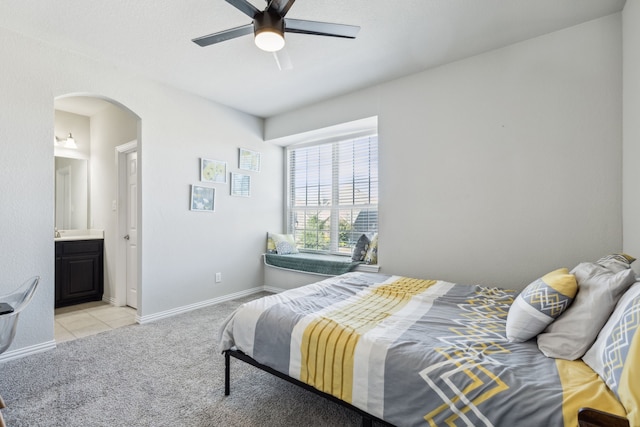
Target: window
{"points": [[333, 193]]}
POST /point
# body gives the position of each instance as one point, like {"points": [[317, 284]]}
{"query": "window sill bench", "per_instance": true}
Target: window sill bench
{"points": [[320, 264]]}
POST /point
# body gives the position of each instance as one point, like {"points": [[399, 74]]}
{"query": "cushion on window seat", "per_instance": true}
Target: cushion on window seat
{"points": [[331, 265]]}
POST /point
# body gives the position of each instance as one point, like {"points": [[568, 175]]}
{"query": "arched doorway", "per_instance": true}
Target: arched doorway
{"points": [[100, 128]]}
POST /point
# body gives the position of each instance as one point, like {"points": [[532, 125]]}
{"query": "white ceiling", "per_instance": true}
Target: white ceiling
{"points": [[153, 38]]}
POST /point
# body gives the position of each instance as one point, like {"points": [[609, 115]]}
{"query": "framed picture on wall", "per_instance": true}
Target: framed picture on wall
{"points": [[249, 160], [202, 198], [240, 185], [213, 171]]}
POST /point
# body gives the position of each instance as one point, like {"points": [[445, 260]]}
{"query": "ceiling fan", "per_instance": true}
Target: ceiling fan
{"points": [[270, 24]]}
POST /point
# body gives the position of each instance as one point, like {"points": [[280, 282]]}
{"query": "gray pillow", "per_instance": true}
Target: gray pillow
{"points": [[360, 249], [599, 289], [616, 262]]}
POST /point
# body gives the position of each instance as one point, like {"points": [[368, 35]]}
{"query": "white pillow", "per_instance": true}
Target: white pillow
{"points": [[599, 289], [616, 262]]}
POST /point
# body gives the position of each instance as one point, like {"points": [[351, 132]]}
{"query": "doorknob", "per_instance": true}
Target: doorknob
{"points": [[126, 237]]}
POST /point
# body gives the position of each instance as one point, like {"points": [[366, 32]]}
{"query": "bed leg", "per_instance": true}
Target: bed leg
{"points": [[227, 373], [366, 422]]}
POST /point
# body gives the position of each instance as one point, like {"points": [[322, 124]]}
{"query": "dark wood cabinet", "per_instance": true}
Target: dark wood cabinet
{"points": [[79, 271]]}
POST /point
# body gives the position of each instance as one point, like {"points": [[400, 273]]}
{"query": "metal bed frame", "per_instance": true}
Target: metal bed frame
{"points": [[367, 419]]}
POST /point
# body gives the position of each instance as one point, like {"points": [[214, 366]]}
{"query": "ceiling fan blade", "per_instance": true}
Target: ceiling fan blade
{"points": [[281, 7], [221, 36], [320, 28], [283, 59], [245, 7]]}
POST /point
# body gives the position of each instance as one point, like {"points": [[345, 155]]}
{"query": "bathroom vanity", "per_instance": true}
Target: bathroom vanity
{"points": [[79, 267]]}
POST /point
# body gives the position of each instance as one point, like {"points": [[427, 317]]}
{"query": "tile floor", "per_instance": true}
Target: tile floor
{"points": [[82, 320]]}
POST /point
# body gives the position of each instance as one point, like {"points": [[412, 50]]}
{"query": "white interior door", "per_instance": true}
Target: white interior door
{"points": [[132, 229]]}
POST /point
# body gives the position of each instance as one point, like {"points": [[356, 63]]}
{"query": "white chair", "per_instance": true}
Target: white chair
{"points": [[18, 300]]}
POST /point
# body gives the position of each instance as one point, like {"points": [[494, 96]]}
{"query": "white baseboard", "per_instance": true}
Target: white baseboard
{"points": [[27, 351], [109, 300], [273, 289], [190, 307]]}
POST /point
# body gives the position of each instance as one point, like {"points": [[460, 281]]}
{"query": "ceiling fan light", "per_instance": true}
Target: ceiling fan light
{"points": [[269, 40]]}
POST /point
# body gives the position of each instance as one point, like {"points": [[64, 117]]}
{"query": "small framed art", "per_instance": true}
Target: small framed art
{"points": [[213, 171], [249, 160], [203, 198], [240, 185]]}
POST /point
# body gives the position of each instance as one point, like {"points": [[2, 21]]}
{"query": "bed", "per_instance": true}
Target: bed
{"points": [[412, 352]]}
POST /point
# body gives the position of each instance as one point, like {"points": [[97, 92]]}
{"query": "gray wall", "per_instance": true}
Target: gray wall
{"points": [[631, 146], [181, 250], [497, 168]]}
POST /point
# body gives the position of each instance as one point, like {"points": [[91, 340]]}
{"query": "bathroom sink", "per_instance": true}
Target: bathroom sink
{"points": [[66, 235]]}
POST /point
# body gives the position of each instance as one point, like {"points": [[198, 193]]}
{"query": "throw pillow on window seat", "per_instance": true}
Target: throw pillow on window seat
{"points": [[372, 253], [283, 243], [271, 245], [360, 250]]}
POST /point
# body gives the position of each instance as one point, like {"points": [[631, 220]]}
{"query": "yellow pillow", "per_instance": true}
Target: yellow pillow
{"points": [[372, 252], [271, 245]]}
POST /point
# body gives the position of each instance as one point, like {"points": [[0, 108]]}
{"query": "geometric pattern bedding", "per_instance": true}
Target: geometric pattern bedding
{"points": [[414, 353], [616, 353]]}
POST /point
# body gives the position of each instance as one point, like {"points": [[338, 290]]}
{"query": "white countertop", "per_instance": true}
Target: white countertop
{"points": [[67, 235]]}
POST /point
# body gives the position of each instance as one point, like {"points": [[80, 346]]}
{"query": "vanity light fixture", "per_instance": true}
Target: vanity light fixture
{"points": [[68, 142]]}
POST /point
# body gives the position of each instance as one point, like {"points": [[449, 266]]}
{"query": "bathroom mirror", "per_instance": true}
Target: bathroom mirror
{"points": [[71, 192]]}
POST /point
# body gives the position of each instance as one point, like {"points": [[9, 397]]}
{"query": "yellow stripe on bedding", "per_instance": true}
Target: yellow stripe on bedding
{"points": [[583, 388], [328, 343]]}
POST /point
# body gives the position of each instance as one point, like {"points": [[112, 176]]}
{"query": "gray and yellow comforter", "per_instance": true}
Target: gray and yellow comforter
{"points": [[415, 353]]}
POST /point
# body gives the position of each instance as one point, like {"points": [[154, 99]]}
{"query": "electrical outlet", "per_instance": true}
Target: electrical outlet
{"points": [[218, 277]]}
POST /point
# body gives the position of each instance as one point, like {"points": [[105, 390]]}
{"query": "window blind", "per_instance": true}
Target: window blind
{"points": [[333, 193]]}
